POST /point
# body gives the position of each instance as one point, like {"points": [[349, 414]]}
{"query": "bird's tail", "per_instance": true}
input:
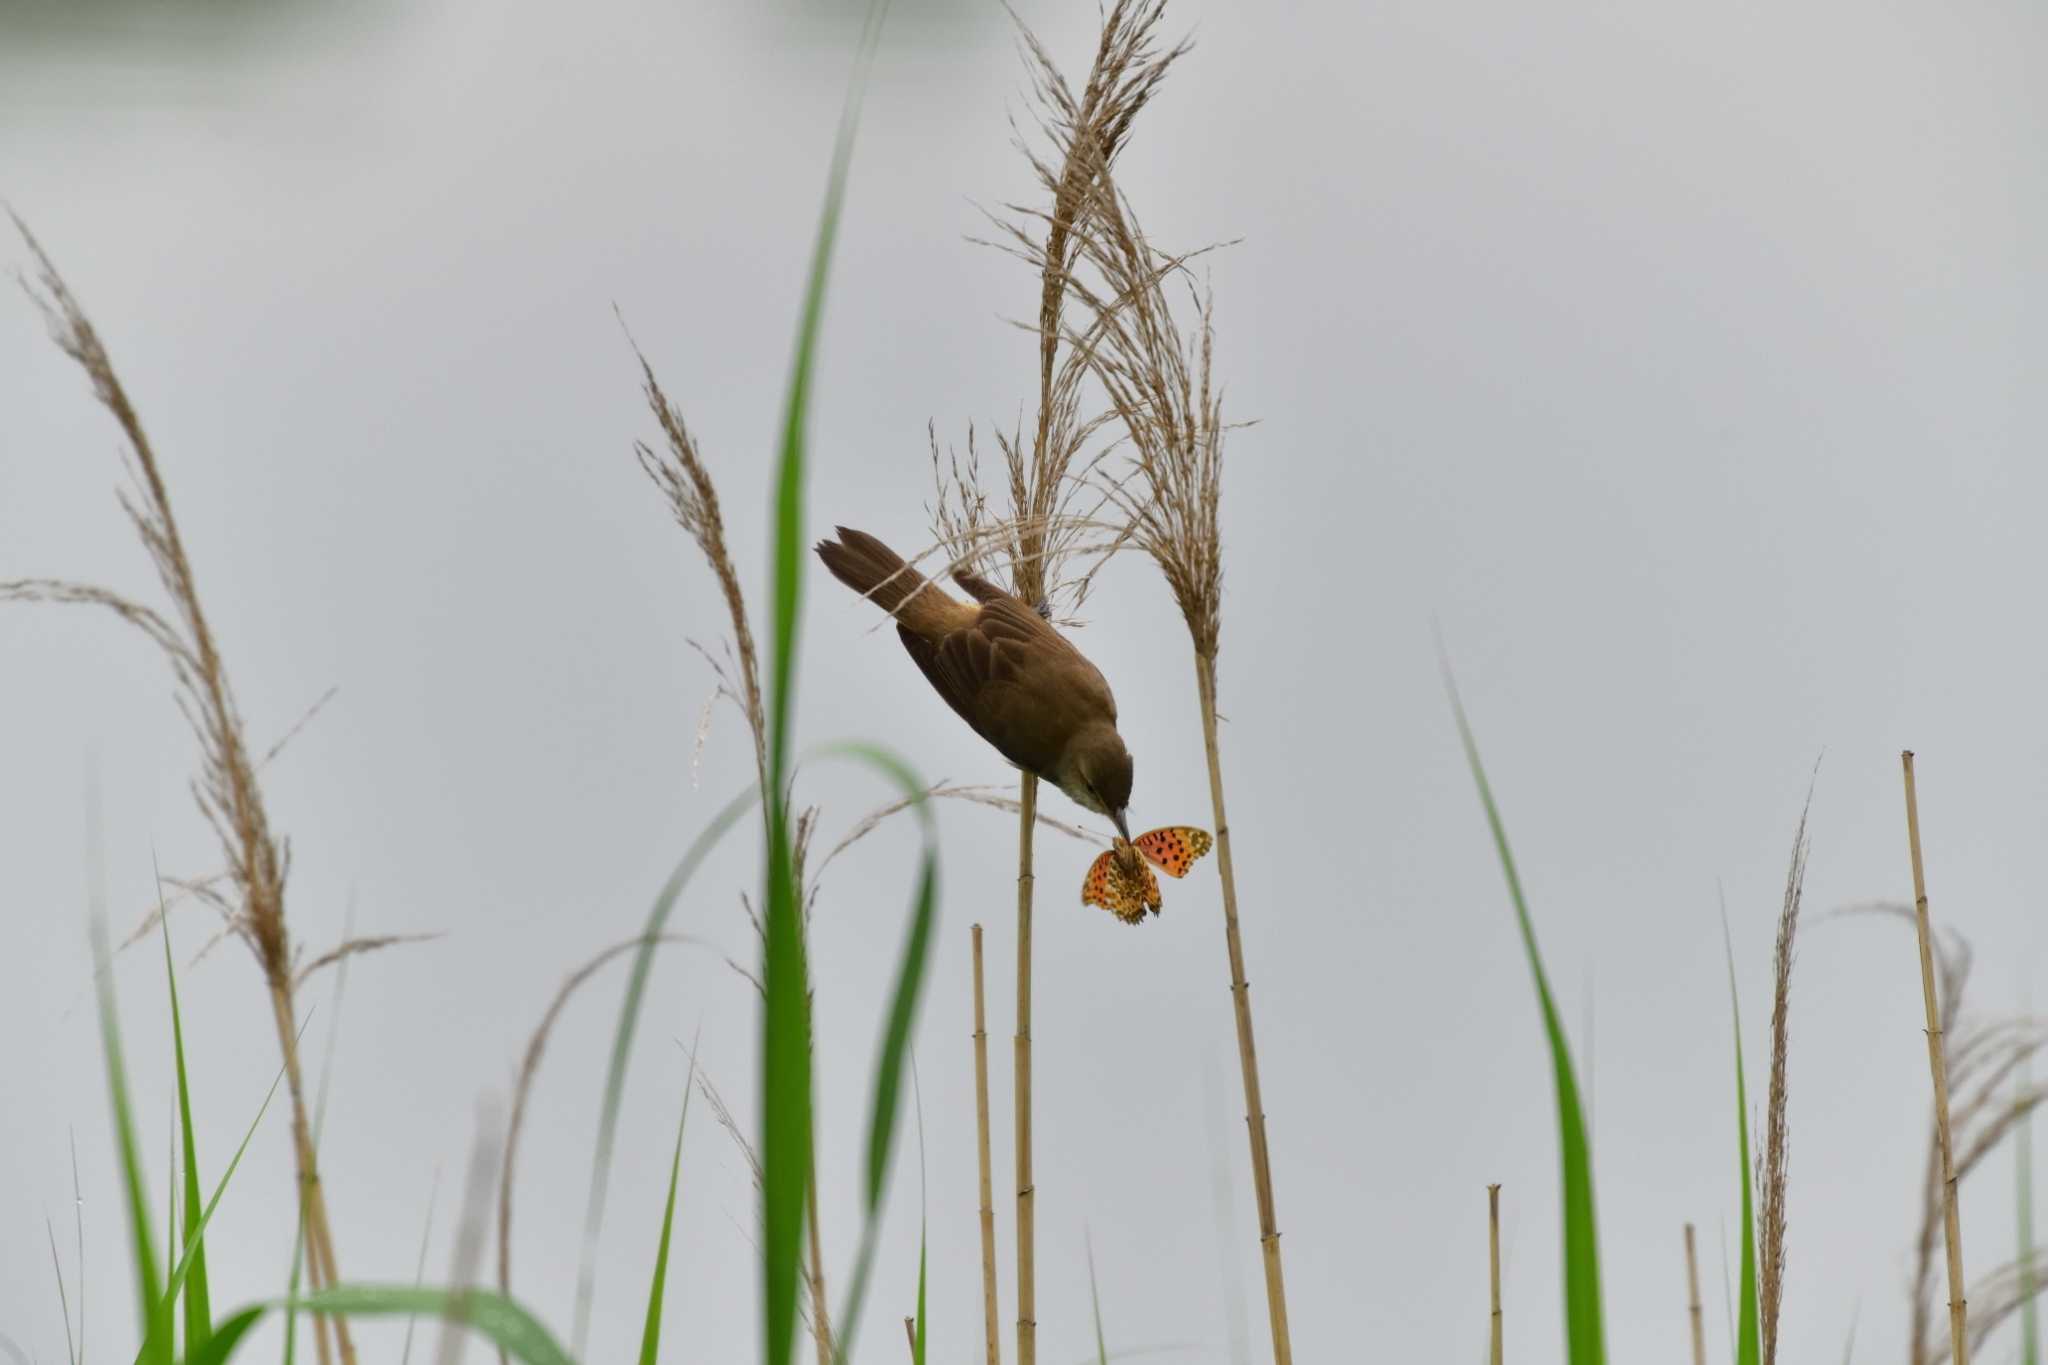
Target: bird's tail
{"points": [[875, 571]]}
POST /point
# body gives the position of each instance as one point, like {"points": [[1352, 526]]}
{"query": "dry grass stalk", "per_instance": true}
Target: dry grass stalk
{"points": [[1982, 1059], [1159, 384], [990, 1312], [1692, 1295], [1027, 1229], [226, 788], [1958, 1307], [1777, 1133], [529, 1068], [1085, 132], [1493, 1272]]}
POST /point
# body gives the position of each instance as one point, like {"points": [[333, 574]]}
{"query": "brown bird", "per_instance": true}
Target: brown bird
{"points": [[1004, 668]]}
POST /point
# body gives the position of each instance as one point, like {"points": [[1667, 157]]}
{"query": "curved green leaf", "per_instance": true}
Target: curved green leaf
{"points": [[501, 1320], [622, 1039], [1585, 1328], [1748, 1322], [650, 1335], [895, 1043], [785, 1014]]}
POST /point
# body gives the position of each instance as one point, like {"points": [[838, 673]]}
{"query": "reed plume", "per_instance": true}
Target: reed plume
{"points": [[1158, 378], [226, 789], [1048, 472], [1777, 1132]]}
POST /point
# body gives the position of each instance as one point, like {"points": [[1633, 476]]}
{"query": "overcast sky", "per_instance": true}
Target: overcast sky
{"points": [[1682, 361]]}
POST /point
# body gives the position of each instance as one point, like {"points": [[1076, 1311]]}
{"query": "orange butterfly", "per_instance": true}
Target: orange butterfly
{"points": [[1121, 883]]}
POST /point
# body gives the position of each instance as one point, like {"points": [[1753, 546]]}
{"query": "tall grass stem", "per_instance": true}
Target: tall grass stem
{"points": [[1247, 1048], [1937, 1064], [990, 1311]]}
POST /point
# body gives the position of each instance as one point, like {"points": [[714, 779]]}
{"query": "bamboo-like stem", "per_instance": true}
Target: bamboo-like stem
{"points": [[1937, 1063], [988, 1197], [1247, 1050], [1493, 1270], [1692, 1287], [1027, 1194]]}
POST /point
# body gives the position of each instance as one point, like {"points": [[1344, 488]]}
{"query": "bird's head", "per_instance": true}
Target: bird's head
{"points": [[1096, 773]]}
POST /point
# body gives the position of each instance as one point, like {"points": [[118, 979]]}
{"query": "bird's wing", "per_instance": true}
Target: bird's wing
{"points": [[991, 674]]}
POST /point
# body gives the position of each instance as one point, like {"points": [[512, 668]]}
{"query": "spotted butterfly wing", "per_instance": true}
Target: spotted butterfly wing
{"points": [[1112, 887], [1174, 849]]}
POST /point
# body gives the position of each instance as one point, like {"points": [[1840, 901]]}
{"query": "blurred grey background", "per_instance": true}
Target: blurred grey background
{"points": [[1682, 361]]}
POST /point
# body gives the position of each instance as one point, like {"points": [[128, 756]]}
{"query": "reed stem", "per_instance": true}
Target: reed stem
{"points": [[1493, 1269], [1692, 1285], [988, 1199], [1027, 1194], [1937, 1063], [1247, 1051], [821, 1320]]}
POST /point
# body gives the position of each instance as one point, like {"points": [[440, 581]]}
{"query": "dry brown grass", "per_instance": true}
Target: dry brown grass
{"points": [[1776, 1156], [1157, 375], [226, 789]]}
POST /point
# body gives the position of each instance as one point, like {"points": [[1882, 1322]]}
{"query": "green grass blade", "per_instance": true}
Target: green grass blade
{"points": [[1585, 1330], [622, 1042], [198, 1313], [159, 1341], [148, 1286], [2023, 1154], [1748, 1325], [895, 1044], [291, 1320], [917, 1335], [785, 1014], [500, 1320], [650, 1335], [917, 1340]]}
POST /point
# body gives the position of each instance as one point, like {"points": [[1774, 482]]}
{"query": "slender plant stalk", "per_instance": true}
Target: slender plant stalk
{"points": [[1692, 1287], [2023, 1149], [1027, 1195], [1247, 1050], [988, 1200], [821, 1319], [1937, 1063], [1493, 1270]]}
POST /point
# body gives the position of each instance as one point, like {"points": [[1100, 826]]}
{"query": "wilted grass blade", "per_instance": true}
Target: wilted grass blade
{"points": [[148, 1287], [1585, 1330], [499, 1319], [198, 1313], [650, 1335], [1095, 1303], [1748, 1325], [785, 1013], [895, 1047], [622, 1040]]}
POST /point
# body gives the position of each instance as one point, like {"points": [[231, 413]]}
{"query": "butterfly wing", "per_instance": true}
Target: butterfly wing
{"points": [[1110, 887], [1174, 848]]}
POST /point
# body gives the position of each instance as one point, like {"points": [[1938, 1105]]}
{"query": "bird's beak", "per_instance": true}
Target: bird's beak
{"points": [[1122, 827]]}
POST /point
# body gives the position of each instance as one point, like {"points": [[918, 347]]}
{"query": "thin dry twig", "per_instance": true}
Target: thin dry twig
{"points": [[351, 947]]}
